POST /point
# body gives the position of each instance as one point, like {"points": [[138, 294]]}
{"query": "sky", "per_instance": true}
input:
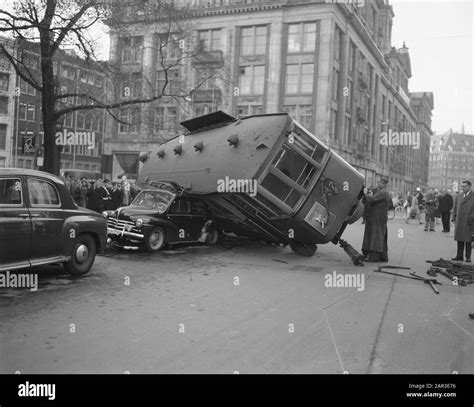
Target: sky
{"points": [[439, 36]]}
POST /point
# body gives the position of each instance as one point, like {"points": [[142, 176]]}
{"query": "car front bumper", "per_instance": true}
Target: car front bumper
{"points": [[111, 232]]}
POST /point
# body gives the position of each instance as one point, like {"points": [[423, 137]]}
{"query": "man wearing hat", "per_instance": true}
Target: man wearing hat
{"points": [[463, 216], [374, 246]]}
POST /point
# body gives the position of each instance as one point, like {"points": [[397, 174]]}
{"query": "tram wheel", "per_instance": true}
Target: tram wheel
{"points": [[307, 250]]}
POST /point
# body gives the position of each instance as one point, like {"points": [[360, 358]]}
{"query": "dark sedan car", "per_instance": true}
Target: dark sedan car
{"points": [[158, 217], [40, 224]]}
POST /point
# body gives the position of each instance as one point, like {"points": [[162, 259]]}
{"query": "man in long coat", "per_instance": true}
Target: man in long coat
{"points": [[463, 215], [375, 246]]}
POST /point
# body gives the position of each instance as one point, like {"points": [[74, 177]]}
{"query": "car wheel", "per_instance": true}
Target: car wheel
{"points": [[307, 250], [212, 237], [83, 254], [155, 241]]}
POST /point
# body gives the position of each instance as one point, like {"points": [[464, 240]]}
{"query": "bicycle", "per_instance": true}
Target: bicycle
{"points": [[399, 212]]}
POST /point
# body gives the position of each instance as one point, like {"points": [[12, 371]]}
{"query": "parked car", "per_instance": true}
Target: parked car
{"points": [[40, 224], [161, 216]]}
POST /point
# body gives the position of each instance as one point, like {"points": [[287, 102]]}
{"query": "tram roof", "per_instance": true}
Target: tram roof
{"points": [[200, 169]]}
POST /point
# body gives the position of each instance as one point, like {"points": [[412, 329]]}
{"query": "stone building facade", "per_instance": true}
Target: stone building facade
{"points": [[328, 64], [451, 160]]}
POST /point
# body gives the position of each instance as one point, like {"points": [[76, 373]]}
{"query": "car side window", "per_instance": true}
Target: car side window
{"points": [[42, 193], [181, 206], [10, 192], [198, 207]]}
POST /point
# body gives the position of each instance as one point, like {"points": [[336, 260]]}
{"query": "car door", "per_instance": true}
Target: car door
{"points": [[180, 214], [47, 219], [198, 217], [15, 224]]}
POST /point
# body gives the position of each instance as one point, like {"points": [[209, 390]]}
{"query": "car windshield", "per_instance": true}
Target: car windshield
{"points": [[159, 200]]}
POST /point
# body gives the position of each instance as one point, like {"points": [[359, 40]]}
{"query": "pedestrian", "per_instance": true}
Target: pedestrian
{"points": [[375, 245], [369, 191], [445, 204], [117, 195], [463, 216], [414, 210], [430, 206]]}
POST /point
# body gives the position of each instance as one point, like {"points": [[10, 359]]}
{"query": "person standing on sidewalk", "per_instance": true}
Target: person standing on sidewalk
{"points": [[375, 246], [414, 208], [445, 205], [463, 216], [430, 204]]}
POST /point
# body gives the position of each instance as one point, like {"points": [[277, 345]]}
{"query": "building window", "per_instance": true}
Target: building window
{"points": [[249, 110], [252, 80], [210, 40], [335, 83], [3, 137], [301, 113], [80, 120], [302, 37], [3, 104], [332, 124], [68, 72], [172, 86], [299, 78], [131, 117], [132, 49], [30, 60], [166, 119], [27, 112], [131, 85], [253, 40], [337, 44], [26, 88], [169, 48], [4, 81], [68, 120]]}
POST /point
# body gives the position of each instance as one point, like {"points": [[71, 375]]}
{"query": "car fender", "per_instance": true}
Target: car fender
{"points": [[76, 225]]}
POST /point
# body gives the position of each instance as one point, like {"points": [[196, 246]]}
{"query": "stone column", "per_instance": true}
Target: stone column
{"points": [[274, 65], [323, 94]]}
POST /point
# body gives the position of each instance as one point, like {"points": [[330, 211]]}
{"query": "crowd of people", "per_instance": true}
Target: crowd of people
{"points": [[101, 195], [442, 204]]}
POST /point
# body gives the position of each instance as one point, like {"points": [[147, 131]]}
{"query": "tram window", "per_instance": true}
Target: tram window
{"points": [[308, 145], [282, 191], [292, 165]]}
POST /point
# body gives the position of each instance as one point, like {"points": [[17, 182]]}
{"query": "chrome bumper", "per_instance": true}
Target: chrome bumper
{"points": [[124, 233]]}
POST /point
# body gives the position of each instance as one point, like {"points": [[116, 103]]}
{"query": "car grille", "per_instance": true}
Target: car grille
{"points": [[121, 224]]}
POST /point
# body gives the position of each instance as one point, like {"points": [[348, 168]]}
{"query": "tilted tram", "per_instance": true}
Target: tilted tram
{"points": [[264, 177]]}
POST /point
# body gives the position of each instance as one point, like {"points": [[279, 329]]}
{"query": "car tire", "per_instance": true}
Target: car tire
{"points": [[307, 250], [156, 240], [83, 254], [212, 237]]}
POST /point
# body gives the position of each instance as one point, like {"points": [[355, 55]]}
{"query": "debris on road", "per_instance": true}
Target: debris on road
{"points": [[464, 273]]}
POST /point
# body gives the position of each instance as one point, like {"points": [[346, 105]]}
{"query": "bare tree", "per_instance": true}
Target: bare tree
{"points": [[54, 24]]}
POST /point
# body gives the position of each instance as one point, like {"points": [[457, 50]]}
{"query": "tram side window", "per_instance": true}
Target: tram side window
{"points": [[281, 190], [308, 145], [292, 165]]}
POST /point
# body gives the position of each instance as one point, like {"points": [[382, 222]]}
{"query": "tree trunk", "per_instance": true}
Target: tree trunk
{"points": [[52, 154]]}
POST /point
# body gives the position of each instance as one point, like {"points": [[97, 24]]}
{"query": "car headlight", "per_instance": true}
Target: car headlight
{"points": [[105, 213], [139, 223]]}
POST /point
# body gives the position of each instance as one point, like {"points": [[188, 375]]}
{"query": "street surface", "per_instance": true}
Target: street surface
{"points": [[252, 308]]}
